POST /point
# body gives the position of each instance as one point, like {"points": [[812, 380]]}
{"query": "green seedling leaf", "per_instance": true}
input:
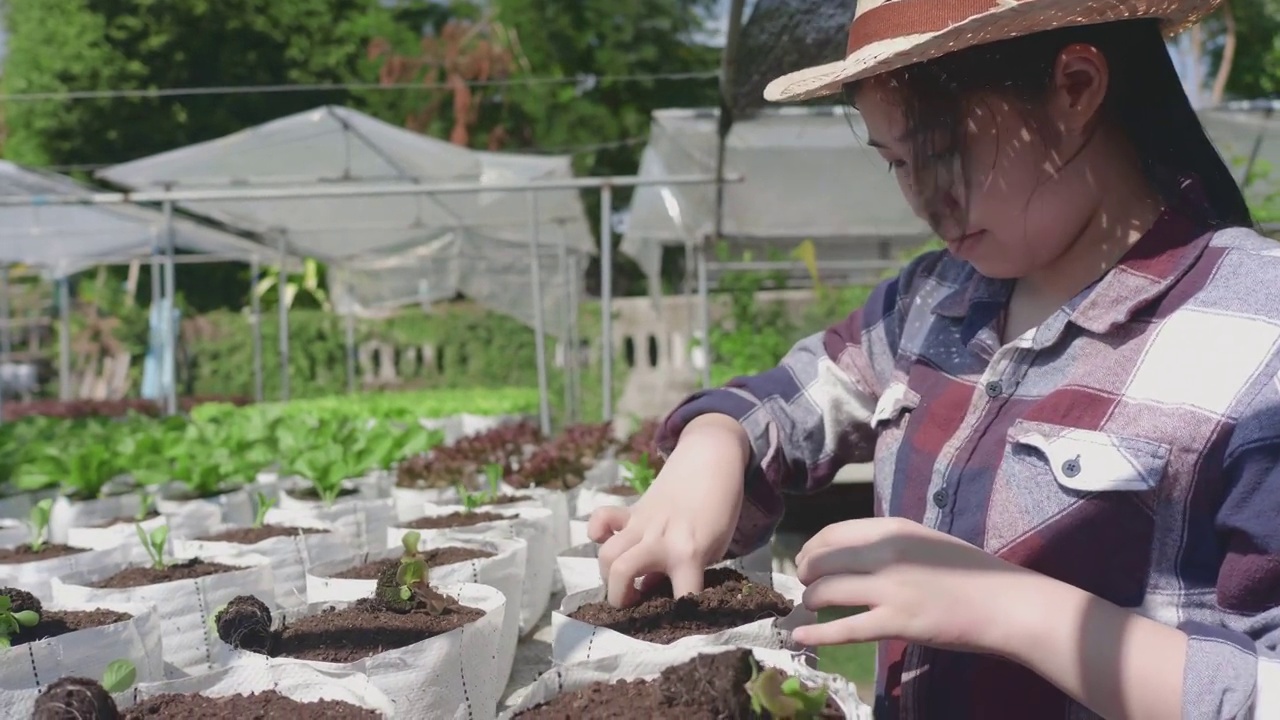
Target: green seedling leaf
{"points": [[148, 504], [410, 542], [119, 676], [39, 520], [27, 618], [783, 697], [11, 623], [640, 475], [154, 543], [264, 504]]}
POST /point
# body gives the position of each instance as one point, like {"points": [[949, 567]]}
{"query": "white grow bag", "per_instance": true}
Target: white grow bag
{"points": [[579, 566], [66, 513], [532, 525], [297, 682], [576, 641], [184, 607], [192, 520], [363, 521], [36, 577], [234, 507], [86, 653], [503, 572], [290, 555], [448, 676], [648, 664]]}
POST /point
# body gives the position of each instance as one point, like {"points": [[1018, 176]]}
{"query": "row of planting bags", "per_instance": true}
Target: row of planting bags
{"points": [[462, 674]]}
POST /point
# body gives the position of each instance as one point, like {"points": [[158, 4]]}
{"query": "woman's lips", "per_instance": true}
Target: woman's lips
{"points": [[958, 245]]}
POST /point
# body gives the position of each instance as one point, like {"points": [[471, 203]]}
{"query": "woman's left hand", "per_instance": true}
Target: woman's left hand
{"points": [[919, 585]]}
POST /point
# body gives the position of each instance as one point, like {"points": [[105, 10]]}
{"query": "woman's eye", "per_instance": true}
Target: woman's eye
{"points": [[897, 165]]}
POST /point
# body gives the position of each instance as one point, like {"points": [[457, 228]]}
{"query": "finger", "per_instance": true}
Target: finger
{"points": [[834, 561], [605, 522], [870, 626], [612, 549], [841, 591], [640, 559], [651, 582], [687, 577], [841, 534]]}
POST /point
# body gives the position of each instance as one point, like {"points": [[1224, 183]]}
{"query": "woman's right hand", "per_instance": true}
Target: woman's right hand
{"points": [[686, 519]]}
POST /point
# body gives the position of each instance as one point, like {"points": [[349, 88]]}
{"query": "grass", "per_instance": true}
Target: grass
{"points": [[857, 663]]}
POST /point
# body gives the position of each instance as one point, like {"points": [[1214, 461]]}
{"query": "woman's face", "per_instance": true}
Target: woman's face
{"points": [[1026, 204]]}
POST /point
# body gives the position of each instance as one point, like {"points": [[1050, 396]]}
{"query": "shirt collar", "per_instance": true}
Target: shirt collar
{"points": [[1153, 265]]}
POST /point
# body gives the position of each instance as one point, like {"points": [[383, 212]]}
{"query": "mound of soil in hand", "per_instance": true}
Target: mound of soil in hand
{"points": [[125, 520], [143, 575], [75, 698], [269, 704], [55, 622], [728, 601], [249, 536], [24, 554], [364, 628], [437, 557], [708, 687], [453, 520]]}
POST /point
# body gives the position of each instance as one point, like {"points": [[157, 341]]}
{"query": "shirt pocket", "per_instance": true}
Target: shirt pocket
{"points": [[1076, 505], [889, 420]]}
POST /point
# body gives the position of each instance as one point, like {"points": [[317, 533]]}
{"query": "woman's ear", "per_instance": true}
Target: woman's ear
{"points": [[1080, 79]]}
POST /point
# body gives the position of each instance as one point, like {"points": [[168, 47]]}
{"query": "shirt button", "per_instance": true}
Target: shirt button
{"points": [[994, 389], [940, 498], [1071, 468]]}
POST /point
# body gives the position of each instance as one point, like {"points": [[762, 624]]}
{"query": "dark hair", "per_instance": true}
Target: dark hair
{"points": [[1145, 100]]}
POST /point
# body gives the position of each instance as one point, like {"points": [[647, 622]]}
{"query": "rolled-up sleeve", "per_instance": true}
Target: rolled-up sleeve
{"points": [[810, 415], [1233, 666]]}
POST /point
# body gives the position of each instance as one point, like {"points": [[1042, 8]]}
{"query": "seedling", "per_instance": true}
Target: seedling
{"points": [[493, 484], [264, 504], [119, 676], [412, 585], [640, 475], [783, 697], [154, 543], [148, 505], [39, 520], [11, 623]]}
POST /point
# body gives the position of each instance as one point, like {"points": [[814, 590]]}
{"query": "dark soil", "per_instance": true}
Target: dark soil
{"points": [[622, 491], [125, 520], [249, 536], [75, 698], [363, 629], [24, 554], [268, 704], [728, 601], [506, 500], [143, 575], [452, 520], [61, 622], [310, 493], [708, 687], [437, 557]]}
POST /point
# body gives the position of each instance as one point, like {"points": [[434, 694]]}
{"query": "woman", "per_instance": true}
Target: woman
{"points": [[1074, 411]]}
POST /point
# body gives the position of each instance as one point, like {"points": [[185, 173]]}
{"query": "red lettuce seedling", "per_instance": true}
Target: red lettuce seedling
{"points": [[407, 585], [783, 697]]}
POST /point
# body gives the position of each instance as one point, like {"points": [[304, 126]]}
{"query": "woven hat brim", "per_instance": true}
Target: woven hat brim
{"points": [[1010, 20]]}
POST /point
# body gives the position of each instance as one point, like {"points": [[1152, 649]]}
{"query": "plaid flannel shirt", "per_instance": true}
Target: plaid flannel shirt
{"points": [[1129, 445]]}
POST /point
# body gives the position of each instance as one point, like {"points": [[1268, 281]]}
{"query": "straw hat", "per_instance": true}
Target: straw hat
{"points": [[889, 34]]}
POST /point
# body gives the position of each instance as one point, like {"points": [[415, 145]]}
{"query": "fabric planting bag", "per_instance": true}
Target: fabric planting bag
{"points": [[557, 501], [452, 675], [290, 555], [36, 577], [183, 606], [13, 532], [504, 572], [18, 506], [87, 652], [191, 520], [410, 501], [235, 507], [298, 682], [580, 566], [647, 664], [576, 641], [530, 524], [67, 513], [365, 521], [372, 486]]}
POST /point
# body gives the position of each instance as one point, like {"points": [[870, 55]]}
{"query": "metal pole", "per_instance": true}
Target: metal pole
{"points": [[575, 374], [255, 275], [704, 314], [606, 301], [351, 352], [282, 279], [566, 376], [6, 337], [539, 335], [170, 321], [64, 338]]}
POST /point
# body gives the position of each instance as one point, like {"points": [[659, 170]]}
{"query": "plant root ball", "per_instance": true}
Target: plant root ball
{"points": [[245, 623], [75, 698], [20, 600]]}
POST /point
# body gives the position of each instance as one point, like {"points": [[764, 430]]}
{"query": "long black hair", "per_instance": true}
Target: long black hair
{"points": [[1145, 100]]}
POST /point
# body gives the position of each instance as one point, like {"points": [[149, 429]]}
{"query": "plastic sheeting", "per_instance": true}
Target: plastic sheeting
{"points": [[386, 250], [65, 239], [807, 174]]}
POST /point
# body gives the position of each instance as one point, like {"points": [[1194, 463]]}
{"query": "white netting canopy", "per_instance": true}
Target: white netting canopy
{"points": [[807, 175], [65, 239], [387, 250]]}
